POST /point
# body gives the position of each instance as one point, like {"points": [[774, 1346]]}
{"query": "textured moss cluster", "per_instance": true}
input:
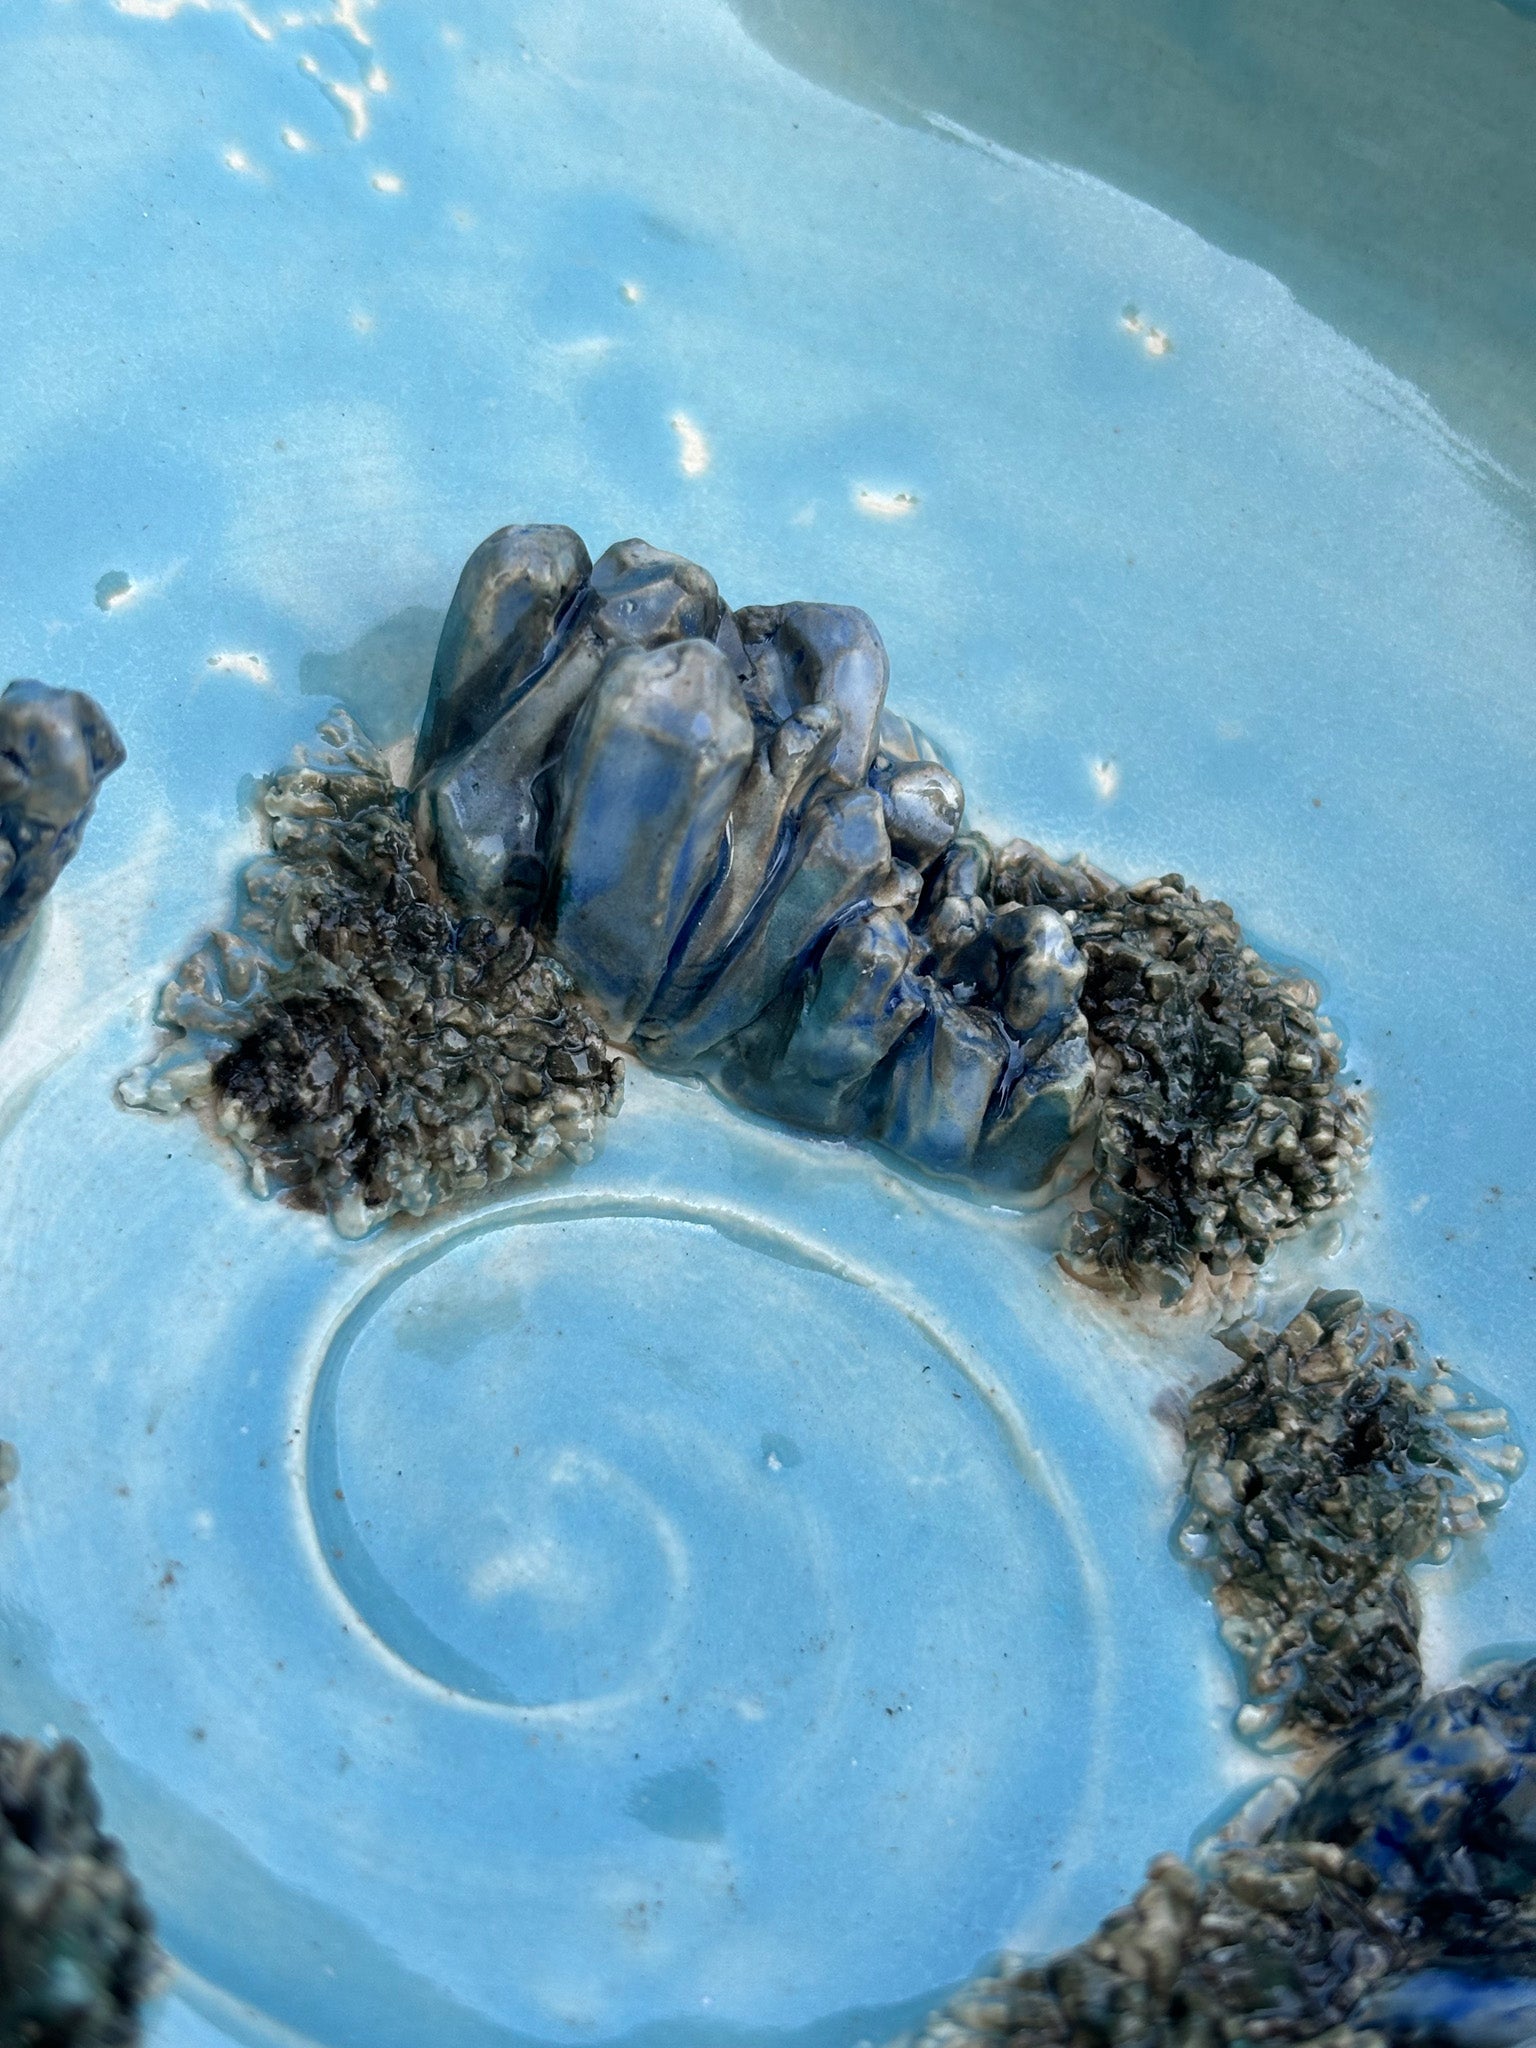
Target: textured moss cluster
{"points": [[365, 1048], [1224, 1124], [1330, 1460], [1389, 1900], [1262, 1951]]}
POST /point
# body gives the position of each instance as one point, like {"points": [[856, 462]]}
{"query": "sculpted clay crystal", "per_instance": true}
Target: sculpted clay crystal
{"points": [[753, 870]]}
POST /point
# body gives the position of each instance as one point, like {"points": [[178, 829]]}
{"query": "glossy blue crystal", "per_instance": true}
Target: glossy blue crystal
{"points": [[1444, 1798], [1455, 2008], [807, 1059], [511, 593], [822, 654], [657, 756], [838, 856], [749, 864], [485, 808]]}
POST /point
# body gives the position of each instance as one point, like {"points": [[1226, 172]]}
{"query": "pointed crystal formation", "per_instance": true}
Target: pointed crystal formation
{"points": [[1040, 1107], [511, 593], [953, 928], [759, 834], [840, 855], [821, 654], [485, 809], [938, 1084], [728, 640], [808, 1058], [649, 774]]}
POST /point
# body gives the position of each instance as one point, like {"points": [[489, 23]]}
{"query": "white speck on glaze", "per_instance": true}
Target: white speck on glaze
{"points": [[885, 504], [249, 666], [693, 454]]}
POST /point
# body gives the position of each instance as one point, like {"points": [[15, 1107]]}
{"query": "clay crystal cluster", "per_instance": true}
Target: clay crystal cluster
{"points": [[751, 869], [749, 866]]}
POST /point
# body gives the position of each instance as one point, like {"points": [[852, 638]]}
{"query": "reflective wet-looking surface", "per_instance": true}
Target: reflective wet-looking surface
{"points": [[313, 305], [619, 1567]]}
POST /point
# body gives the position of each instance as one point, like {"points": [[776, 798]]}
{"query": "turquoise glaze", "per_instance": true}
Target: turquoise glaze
{"points": [[754, 1602]]}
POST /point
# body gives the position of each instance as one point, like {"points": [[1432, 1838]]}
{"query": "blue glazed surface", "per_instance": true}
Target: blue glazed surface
{"points": [[1202, 585]]}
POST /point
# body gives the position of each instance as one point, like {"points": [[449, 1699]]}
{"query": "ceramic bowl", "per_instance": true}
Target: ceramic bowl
{"points": [[723, 1594]]}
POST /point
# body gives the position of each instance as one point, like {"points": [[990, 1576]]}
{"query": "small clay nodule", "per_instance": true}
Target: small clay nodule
{"points": [[77, 1948], [57, 747]]}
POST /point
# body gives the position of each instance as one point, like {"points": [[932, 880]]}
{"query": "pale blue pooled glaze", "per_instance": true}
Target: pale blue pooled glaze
{"points": [[1198, 586]]}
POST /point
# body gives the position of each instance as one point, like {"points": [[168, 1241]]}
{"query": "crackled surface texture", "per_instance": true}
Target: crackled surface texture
{"points": [[77, 1950], [57, 747], [367, 1049]]}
